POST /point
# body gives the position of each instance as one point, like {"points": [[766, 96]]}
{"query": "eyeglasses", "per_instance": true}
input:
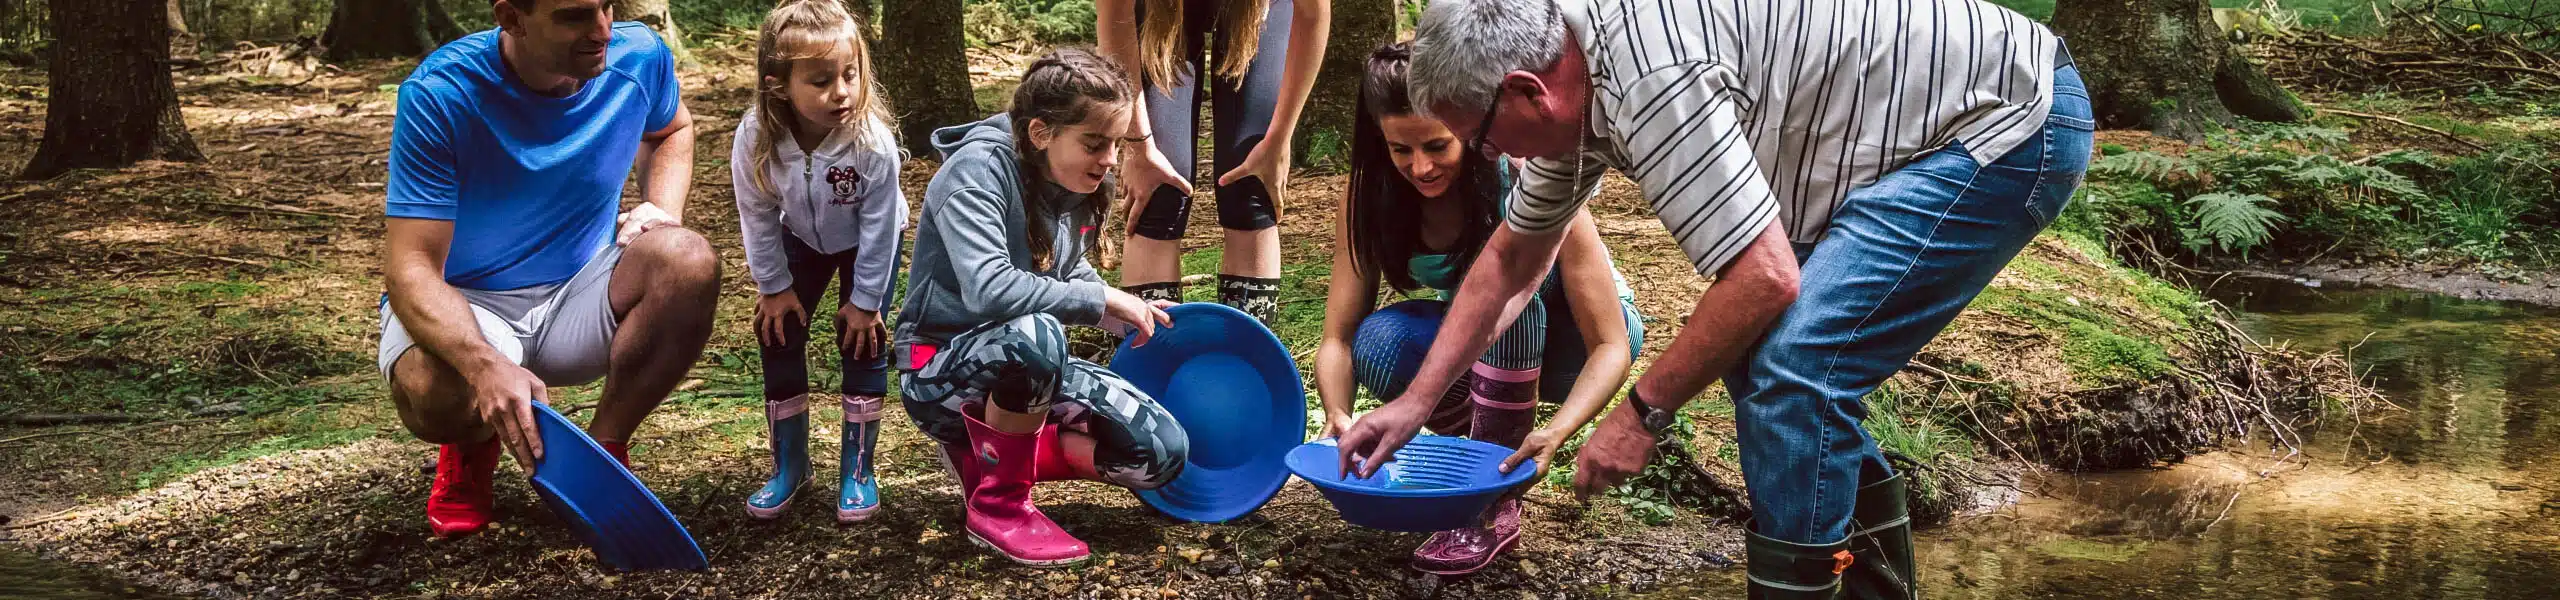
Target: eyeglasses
{"points": [[1483, 143]]}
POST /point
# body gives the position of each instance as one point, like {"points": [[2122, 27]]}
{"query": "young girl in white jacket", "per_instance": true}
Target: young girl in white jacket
{"points": [[815, 167]]}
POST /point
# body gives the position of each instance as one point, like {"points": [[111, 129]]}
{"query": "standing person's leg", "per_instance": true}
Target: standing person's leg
{"points": [[786, 385], [1249, 271], [866, 392], [662, 295], [1151, 257], [1901, 258], [995, 384]]}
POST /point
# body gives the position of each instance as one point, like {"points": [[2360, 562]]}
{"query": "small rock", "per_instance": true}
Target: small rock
{"points": [[1528, 568], [296, 575], [1192, 554], [240, 578], [1168, 592], [608, 581]]}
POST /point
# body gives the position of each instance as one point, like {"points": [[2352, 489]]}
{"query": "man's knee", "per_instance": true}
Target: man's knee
{"points": [[677, 256], [434, 401]]}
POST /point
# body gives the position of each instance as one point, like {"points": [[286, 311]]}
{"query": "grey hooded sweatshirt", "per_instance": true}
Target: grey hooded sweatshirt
{"points": [[972, 263]]}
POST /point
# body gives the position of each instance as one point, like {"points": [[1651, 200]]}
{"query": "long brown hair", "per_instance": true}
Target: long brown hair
{"points": [[801, 29], [1160, 39], [1062, 89], [1386, 226]]}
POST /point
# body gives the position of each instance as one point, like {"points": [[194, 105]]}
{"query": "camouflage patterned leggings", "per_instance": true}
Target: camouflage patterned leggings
{"points": [[1022, 365]]}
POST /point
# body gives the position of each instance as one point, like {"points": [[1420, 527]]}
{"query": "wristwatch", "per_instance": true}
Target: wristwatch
{"points": [[1656, 421]]}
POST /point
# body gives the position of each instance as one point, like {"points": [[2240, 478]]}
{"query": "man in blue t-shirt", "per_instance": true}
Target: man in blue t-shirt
{"points": [[510, 264]]}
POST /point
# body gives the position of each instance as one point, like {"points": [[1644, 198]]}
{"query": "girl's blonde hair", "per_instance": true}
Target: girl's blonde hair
{"points": [[1160, 40], [802, 29]]}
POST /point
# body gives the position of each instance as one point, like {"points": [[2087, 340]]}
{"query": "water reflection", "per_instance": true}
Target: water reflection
{"points": [[2456, 495]]}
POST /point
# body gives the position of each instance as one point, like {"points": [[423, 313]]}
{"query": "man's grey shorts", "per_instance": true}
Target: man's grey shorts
{"points": [[562, 332]]}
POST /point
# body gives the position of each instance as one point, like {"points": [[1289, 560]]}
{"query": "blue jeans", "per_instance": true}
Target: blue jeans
{"points": [[1902, 256]]}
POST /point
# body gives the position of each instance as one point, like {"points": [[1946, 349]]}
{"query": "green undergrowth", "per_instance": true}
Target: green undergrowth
{"points": [[2302, 192], [171, 348]]}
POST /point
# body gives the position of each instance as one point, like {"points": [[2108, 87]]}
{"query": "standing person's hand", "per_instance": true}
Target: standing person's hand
{"points": [[502, 396], [1141, 177], [775, 314], [1540, 445], [858, 332], [1374, 439], [1135, 317], [1617, 450], [1269, 161], [640, 220]]}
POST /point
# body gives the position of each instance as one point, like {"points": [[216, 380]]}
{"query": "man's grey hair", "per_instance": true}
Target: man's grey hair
{"points": [[1463, 48]]}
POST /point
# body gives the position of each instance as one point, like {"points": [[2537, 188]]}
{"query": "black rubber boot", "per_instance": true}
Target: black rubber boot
{"points": [[1789, 571], [1881, 541]]}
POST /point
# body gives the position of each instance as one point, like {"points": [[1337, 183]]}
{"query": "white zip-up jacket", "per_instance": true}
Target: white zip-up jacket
{"points": [[839, 197]]}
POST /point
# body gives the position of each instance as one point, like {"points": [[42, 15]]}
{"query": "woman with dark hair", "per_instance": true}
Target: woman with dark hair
{"points": [[1422, 203]]}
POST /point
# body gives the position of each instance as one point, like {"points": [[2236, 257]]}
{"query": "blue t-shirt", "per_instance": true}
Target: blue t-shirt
{"points": [[530, 182]]}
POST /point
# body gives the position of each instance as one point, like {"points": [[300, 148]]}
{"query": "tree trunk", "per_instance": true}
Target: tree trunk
{"points": [[182, 43], [112, 103], [440, 25], [926, 72], [1359, 28], [653, 13], [386, 28], [2163, 65]]}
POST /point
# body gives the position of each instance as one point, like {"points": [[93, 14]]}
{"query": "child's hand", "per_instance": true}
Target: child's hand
{"points": [[858, 332], [1127, 314], [773, 311]]}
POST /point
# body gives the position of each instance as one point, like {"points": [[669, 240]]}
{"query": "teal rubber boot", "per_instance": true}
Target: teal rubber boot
{"points": [[787, 432], [861, 492]]}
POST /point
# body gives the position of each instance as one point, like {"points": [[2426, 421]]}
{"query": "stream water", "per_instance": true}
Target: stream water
{"points": [[2454, 494]]}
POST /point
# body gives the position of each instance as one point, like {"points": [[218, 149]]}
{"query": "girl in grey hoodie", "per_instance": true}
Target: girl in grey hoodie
{"points": [[1000, 270], [815, 168]]}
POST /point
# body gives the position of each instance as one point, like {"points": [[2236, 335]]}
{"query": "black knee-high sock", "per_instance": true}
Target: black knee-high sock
{"points": [[1257, 296]]}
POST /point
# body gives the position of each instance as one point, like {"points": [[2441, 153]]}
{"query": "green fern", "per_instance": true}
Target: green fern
{"points": [[2147, 166], [2231, 222]]}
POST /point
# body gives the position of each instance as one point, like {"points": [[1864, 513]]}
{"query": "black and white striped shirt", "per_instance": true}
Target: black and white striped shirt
{"points": [[1729, 113]]}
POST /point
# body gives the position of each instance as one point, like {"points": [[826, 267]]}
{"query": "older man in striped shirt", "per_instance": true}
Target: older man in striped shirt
{"points": [[1850, 172]]}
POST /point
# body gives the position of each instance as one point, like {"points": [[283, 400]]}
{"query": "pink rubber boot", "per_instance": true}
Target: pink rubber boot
{"points": [[1000, 514]]}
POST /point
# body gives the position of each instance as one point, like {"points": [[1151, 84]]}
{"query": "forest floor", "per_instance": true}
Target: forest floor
{"points": [[229, 306]]}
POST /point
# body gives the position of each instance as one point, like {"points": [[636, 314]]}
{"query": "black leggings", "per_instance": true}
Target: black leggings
{"points": [[1243, 115], [786, 367]]}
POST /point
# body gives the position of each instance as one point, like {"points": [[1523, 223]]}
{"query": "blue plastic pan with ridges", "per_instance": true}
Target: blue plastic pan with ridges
{"points": [[1435, 483], [604, 505], [1236, 392]]}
